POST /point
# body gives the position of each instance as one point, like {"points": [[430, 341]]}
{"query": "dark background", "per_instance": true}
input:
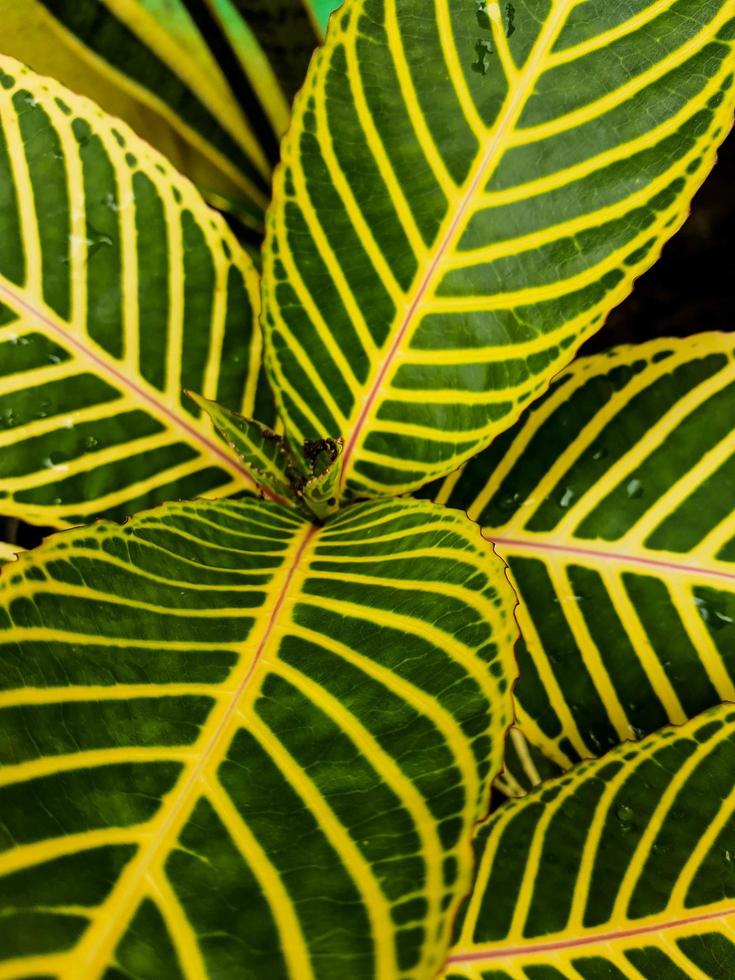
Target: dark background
{"points": [[688, 291]]}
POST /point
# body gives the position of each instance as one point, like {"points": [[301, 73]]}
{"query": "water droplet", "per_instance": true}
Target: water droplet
{"points": [[508, 501], [54, 359], [598, 451], [55, 462], [634, 488], [566, 498], [90, 442], [716, 618], [110, 202], [625, 815], [7, 418], [727, 854]]}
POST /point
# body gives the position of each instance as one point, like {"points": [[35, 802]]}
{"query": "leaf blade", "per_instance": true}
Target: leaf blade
{"points": [[116, 294], [642, 919], [261, 726], [610, 503], [395, 256]]}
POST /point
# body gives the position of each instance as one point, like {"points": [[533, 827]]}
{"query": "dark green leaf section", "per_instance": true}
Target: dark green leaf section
{"points": [[612, 502], [621, 868], [239, 744]]}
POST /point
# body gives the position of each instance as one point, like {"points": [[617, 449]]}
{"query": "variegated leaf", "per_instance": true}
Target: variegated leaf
{"points": [[612, 502], [623, 869], [118, 288], [237, 744], [466, 190]]}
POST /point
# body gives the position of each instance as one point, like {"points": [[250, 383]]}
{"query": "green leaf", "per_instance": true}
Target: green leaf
{"points": [[307, 481], [524, 767], [461, 201], [239, 744], [624, 868], [612, 503], [208, 82], [118, 288]]}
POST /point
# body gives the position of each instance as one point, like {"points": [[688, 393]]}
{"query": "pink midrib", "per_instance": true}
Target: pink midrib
{"points": [[573, 551], [428, 275], [125, 382], [601, 938]]}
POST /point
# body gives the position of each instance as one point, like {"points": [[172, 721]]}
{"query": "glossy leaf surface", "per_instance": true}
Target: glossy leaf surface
{"points": [[612, 502], [238, 744], [118, 289], [466, 191], [621, 869]]}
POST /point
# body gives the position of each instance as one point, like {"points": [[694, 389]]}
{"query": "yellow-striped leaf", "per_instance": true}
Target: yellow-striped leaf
{"points": [[612, 502], [309, 483], [524, 767], [622, 869], [237, 744], [118, 288], [466, 190], [208, 82]]}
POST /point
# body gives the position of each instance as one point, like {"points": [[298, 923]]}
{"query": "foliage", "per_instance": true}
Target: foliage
{"points": [[252, 730]]}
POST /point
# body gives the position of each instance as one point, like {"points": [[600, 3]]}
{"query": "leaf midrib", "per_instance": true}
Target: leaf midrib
{"points": [[498, 952], [187, 794], [122, 380], [605, 552], [506, 121]]}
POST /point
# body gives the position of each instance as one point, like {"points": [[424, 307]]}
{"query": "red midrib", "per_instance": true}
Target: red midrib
{"points": [[494, 953], [123, 381], [573, 551]]}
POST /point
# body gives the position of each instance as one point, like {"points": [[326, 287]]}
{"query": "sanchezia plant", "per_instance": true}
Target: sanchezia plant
{"points": [[265, 708]]}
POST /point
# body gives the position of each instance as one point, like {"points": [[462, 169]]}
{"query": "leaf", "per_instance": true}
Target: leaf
{"points": [[612, 503], [8, 551], [442, 240], [623, 868], [524, 767], [265, 454], [239, 744], [310, 484], [209, 84], [118, 288]]}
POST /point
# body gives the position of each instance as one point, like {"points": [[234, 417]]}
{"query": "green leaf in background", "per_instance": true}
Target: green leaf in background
{"points": [[466, 191], [623, 869], [208, 82], [524, 767], [238, 744], [118, 288], [612, 503]]}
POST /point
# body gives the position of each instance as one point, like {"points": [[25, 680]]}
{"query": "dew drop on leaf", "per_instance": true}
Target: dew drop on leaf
{"points": [[566, 498], [634, 488], [625, 815]]}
